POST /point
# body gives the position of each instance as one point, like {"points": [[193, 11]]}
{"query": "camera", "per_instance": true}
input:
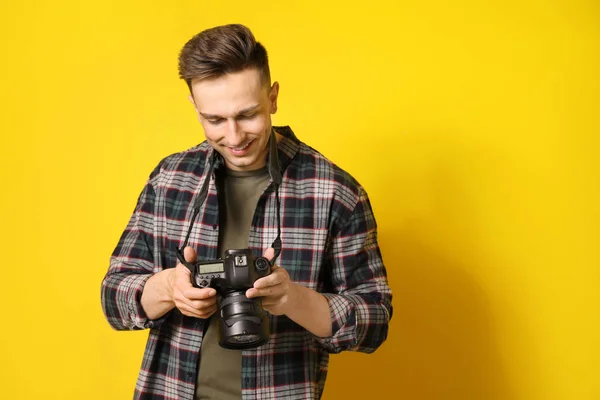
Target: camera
{"points": [[243, 322]]}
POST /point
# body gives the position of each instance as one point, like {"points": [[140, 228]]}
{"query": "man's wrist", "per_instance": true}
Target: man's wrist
{"points": [[157, 295], [168, 284], [295, 296], [310, 309]]}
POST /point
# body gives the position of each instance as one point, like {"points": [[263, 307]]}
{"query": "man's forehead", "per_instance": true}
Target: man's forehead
{"points": [[227, 106], [228, 95], [246, 110], [245, 80]]}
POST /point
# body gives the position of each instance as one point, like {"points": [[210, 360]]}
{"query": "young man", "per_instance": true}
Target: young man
{"points": [[248, 186]]}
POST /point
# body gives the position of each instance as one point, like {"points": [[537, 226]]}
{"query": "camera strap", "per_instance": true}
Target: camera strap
{"points": [[274, 172]]}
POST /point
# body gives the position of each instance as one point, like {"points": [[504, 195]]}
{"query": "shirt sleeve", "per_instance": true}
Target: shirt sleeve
{"points": [[361, 302], [131, 265]]}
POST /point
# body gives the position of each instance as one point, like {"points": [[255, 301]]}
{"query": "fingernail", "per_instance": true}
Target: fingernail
{"points": [[212, 292]]}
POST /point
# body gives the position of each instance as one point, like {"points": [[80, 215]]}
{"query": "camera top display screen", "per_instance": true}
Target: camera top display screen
{"points": [[210, 268]]}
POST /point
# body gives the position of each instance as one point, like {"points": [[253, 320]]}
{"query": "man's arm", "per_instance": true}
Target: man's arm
{"points": [[311, 312], [302, 305], [361, 299], [137, 296], [357, 314], [131, 267]]}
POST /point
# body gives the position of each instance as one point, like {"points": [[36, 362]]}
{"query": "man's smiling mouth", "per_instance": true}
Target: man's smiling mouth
{"points": [[240, 149]]}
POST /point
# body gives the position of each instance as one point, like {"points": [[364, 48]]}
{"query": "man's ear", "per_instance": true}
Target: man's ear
{"points": [[273, 94]]}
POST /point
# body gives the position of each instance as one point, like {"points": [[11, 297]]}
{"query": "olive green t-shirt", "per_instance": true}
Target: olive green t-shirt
{"points": [[219, 373]]}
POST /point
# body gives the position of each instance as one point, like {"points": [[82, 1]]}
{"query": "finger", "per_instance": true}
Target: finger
{"points": [[183, 273], [203, 304], [274, 279], [270, 301], [272, 291], [198, 305], [181, 300], [209, 311], [269, 253], [264, 282], [189, 311], [199, 294], [190, 254], [192, 312]]}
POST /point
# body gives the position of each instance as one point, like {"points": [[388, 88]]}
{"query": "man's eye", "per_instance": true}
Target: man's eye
{"points": [[216, 121], [248, 116]]}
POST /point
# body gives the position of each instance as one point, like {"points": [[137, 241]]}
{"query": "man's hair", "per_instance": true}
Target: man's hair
{"points": [[221, 50]]}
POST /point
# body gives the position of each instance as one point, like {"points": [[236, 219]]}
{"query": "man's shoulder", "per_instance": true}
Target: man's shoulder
{"points": [[187, 162], [311, 164]]}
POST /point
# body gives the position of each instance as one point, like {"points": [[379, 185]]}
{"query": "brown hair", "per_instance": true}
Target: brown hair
{"points": [[221, 50]]}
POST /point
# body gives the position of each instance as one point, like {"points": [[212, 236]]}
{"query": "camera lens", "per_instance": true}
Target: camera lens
{"points": [[261, 264], [245, 339], [243, 322]]}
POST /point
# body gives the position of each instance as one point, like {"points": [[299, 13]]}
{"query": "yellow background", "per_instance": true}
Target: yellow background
{"points": [[473, 125]]}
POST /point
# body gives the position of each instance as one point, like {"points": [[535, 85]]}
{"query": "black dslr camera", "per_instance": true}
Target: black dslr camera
{"points": [[243, 322]]}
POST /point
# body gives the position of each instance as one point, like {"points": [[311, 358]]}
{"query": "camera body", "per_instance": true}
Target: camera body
{"points": [[243, 322], [238, 270]]}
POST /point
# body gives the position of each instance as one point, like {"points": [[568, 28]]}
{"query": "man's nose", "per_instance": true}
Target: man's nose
{"points": [[234, 134]]}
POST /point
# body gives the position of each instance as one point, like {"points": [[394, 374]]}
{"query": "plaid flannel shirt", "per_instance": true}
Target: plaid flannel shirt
{"points": [[329, 244]]}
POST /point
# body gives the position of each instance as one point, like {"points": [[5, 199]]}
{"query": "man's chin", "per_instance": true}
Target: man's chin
{"points": [[242, 164], [247, 162]]}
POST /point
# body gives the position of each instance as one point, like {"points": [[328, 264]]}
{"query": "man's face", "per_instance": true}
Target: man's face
{"points": [[235, 112]]}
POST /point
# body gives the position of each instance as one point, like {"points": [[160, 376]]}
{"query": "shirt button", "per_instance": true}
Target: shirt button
{"points": [[215, 226], [189, 374]]}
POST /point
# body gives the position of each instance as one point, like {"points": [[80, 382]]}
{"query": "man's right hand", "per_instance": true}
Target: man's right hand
{"points": [[191, 301], [172, 287]]}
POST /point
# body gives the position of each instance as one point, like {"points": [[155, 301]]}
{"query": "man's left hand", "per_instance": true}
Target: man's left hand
{"points": [[279, 294]]}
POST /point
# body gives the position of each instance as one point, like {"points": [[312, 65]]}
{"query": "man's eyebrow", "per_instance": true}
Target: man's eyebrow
{"points": [[241, 112]]}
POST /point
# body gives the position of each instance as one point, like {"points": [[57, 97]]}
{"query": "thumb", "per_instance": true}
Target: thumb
{"points": [[269, 253], [190, 254]]}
